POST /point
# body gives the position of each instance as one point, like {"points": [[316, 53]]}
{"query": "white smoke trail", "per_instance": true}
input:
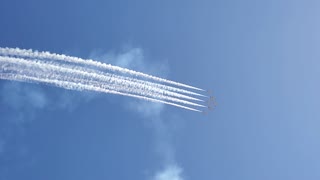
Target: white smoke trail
{"points": [[163, 87], [159, 88], [169, 90], [120, 85], [89, 62], [46, 55], [81, 87], [104, 85]]}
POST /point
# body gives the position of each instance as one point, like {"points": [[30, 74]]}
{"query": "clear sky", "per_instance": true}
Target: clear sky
{"points": [[260, 58]]}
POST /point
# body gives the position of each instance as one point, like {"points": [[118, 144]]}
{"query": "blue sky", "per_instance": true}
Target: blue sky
{"points": [[261, 59]]}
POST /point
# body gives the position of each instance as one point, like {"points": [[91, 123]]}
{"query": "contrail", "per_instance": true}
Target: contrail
{"points": [[160, 88], [121, 85], [81, 87], [105, 85], [168, 88], [147, 83], [89, 62], [80, 74]]}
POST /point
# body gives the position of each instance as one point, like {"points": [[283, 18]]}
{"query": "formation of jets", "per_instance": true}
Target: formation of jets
{"points": [[211, 103]]}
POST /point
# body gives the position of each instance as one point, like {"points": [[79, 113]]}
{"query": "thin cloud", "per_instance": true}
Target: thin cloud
{"points": [[171, 172], [28, 99], [134, 59], [20, 96]]}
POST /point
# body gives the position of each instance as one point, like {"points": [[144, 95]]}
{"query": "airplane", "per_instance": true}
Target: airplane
{"points": [[211, 103], [210, 108], [205, 112]]}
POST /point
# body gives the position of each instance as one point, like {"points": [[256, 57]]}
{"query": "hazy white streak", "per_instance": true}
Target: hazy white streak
{"points": [[159, 88], [81, 87], [74, 77], [90, 62], [124, 85]]}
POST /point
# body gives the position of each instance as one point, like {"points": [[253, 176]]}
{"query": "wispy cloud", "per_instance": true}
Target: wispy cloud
{"points": [[132, 58], [23, 99], [163, 140], [18, 96], [27, 99], [171, 172], [135, 59]]}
